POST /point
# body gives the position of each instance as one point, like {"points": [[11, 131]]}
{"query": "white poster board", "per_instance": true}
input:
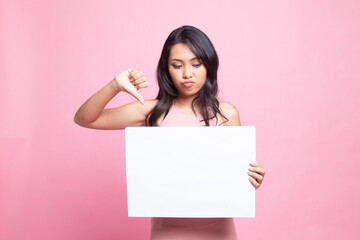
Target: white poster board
{"points": [[190, 171]]}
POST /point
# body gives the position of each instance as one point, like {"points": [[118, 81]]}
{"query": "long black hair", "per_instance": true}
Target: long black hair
{"points": [[206, 100]]}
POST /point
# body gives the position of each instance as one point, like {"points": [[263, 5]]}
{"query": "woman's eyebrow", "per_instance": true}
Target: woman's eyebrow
{"points": [[175, 59]]}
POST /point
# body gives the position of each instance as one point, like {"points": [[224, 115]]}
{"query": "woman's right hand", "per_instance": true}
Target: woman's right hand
{"points": [[130, 81]]}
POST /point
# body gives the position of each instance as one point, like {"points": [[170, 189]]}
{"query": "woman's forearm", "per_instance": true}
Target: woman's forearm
{"points": [[92, 108]]}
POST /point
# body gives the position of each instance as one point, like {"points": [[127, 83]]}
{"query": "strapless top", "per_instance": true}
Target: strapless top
{"points": [[190, 228], [177, 117]]}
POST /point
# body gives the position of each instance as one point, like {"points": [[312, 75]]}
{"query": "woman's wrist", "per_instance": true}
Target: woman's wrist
{"points": [[114, 85]]}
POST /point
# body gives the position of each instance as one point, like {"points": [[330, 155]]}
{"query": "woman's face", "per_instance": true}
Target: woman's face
{"points": [[187, 72]]}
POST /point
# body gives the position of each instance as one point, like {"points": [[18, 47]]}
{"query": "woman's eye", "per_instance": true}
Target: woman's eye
{"points": [[176, 66], [197, 65]]}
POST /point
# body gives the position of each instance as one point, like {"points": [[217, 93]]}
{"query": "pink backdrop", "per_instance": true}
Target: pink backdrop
{"points": [[291, 68]]}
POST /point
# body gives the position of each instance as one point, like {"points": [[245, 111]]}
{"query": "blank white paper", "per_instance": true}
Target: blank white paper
{"points": [[190, 171]]}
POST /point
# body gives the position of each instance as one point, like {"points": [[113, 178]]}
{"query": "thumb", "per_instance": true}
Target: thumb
{"points": [[137, 95]]}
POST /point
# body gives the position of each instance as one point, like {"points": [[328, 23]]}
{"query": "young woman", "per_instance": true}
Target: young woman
{"points": [[187, 78]]}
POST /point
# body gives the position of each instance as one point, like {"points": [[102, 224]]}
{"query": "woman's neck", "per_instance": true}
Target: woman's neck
{"points": [[184, 103]]}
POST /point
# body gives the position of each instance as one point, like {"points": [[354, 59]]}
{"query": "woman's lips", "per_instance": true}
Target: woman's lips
{"points": [[188, 84]]}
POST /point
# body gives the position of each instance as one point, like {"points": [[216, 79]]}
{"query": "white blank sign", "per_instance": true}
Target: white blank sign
{"points": [[190, 171]]}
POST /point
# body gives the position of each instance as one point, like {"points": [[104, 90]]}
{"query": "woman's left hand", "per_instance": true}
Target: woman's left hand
{"points": [[257, 173]]}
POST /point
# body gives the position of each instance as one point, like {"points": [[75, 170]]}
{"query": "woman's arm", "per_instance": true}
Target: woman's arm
{"points": [[93, 115], [256, 171]]}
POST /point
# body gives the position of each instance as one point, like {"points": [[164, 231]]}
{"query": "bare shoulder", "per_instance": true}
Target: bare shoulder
{"points": [[231, 113], [150, 104]]}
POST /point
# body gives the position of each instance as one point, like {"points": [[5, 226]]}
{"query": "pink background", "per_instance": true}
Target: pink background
{"points": [[290, 67]]}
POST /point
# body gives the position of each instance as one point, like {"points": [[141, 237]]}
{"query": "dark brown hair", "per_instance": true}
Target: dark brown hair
{"points": [[206, 100]]}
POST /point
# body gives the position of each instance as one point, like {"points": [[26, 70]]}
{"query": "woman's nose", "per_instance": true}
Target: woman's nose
{"points": [[187, 73]]}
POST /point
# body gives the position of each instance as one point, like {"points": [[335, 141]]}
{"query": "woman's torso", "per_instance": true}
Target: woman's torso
{"points": [[190, 228], [193, 228]]}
